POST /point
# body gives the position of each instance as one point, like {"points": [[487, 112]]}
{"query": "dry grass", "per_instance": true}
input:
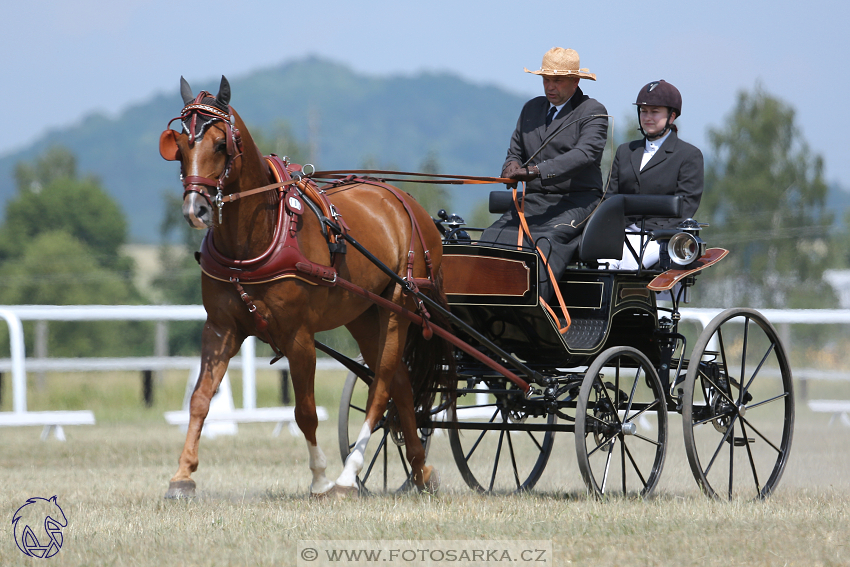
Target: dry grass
{"points": [[253, 507]]}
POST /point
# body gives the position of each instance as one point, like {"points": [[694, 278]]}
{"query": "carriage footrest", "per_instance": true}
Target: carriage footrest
{"points": [[585, 334]]}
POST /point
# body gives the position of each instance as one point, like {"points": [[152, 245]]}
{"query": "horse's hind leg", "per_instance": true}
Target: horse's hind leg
{"points": [[423, 476], [388, 355], [218, 347]]}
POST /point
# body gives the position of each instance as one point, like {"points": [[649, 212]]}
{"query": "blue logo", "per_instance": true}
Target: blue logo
{"points": [[38, 527]]}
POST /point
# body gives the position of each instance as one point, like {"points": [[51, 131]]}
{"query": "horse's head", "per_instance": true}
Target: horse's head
{"points": [[207, 147]]}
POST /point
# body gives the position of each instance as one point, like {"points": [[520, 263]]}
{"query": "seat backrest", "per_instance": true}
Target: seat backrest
{"points": [[603, 235], [502, 201]]}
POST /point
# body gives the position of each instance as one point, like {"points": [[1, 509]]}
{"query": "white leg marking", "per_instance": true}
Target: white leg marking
{"points": [[318, 464], [354, 462]]}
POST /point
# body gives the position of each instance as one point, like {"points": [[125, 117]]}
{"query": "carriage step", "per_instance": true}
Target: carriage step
{"points": [[744, 441]]}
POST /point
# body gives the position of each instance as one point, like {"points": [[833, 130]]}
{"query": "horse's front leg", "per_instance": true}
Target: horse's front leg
{"points": [[301, 353], [218, 346]]}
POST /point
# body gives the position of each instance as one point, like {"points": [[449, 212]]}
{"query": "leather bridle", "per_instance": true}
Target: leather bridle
{"points": [[196, 183]]}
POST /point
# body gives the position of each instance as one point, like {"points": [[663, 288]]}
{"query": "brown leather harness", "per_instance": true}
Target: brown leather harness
{"points": [[283, 257]]}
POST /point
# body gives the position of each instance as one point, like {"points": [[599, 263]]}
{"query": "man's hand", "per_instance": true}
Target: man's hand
{"points": [[525, 173], [509, 170]]}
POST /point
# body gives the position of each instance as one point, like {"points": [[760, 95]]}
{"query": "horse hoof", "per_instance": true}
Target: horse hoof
{"points": [[180, 489], [339, 493], [432, 483]]}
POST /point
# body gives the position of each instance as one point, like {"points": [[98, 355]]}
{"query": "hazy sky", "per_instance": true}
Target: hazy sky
{"points": [[64, 60]]}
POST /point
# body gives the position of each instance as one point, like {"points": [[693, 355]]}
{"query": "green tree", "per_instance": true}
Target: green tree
{"points": [[55, 268], [765, 199], [60, 245], [51, 196]]}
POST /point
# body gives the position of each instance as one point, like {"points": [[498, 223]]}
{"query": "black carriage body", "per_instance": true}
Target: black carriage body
{"points": [[494, 291]]}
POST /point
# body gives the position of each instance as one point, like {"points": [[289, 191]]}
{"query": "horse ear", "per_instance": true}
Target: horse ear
{"points": [[186, 91], [168, 148], [223, 95]]}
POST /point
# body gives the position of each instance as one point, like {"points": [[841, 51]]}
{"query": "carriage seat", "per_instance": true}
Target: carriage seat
{"points": [[604, 232]]}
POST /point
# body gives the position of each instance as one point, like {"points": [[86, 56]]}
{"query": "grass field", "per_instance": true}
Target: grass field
{"points": [[253, 506]]}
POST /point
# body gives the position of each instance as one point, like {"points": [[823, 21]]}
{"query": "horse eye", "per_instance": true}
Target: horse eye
{"points": [[221, 146]]}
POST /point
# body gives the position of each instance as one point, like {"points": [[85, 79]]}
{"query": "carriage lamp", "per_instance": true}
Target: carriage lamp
{"points": [[686, 247]]}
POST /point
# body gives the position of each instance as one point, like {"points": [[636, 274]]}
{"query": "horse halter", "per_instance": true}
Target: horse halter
{"points": [[170, 150]]}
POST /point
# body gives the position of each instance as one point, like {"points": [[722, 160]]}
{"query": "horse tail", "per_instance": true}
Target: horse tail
{"points": [[431, 362]]}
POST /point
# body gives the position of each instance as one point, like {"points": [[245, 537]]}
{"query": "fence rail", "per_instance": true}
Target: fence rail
{"points": [[19, 364]]}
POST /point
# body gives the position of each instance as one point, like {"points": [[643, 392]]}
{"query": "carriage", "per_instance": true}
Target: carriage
{"points": [[456, 339], [611, 379]]}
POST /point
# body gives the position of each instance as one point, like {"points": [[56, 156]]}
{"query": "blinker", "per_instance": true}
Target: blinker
{"points": [[168, 148]]}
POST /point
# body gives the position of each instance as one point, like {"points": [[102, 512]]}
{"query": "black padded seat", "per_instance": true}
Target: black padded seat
{"points": [[604, 233]]}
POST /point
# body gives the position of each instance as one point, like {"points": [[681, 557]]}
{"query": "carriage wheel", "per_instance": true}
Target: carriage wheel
{"points": [[385, 468], [738, 406], [499, 456], [621, 424]]}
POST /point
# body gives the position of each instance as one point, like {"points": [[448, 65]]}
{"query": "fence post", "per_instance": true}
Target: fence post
{"points": [[18, 352], [40, 350], [147, 387], [160, 346], [284, 387], [249, 379]]}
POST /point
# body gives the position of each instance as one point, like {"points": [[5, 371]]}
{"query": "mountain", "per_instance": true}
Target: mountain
{"points": [[348, 118]]}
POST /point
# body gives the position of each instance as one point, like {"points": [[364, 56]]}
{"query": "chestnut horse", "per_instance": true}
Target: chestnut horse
{"points": [[219, 159]]}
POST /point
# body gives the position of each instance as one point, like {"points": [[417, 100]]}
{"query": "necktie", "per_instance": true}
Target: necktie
{"points": [[551, 115]]}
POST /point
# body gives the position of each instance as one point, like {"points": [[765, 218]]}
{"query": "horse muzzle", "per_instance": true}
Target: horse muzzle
{"points": [[197, 210]]}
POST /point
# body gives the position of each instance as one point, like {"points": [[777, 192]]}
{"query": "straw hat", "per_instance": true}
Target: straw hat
{"points": [[562, 62]]}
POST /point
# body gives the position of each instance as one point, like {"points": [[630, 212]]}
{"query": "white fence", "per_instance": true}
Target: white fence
{"points": [[19, 364]]}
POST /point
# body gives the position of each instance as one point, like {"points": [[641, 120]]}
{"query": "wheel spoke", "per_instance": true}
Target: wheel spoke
{"points": [[717, 387], [644, 410], [766, 440], [750, 457], [731, 459], [635, 465], [496, 460], [768, 401], [361, 410], [375, 456], [647, 439], [513, 461], [534, 440], [403, 462], [719, 446], [605, 442], [386, 461], [610, 401], [632, 396], [623, 461], [607, 464], [743, 361], [713, 416], [480, 437], [758, 368]]}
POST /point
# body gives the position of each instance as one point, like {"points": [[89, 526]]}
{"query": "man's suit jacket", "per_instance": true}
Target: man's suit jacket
{"points": [[675, 169], [572, 160]]}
